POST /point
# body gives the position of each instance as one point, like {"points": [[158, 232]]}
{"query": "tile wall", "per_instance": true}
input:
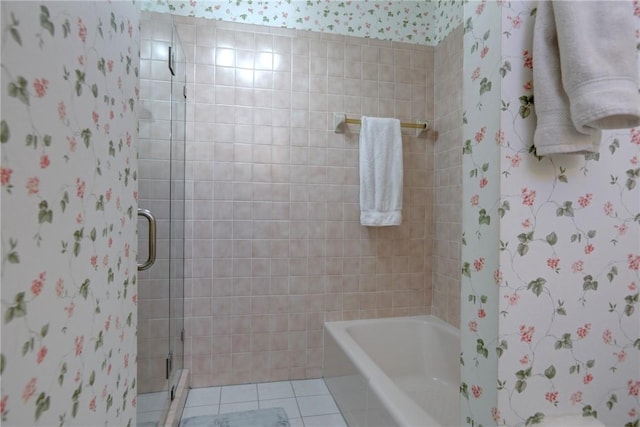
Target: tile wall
{"points": [[448, 178], [274, 246]]}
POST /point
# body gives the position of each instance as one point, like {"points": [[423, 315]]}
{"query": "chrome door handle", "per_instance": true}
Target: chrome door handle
{"points": [[151, 257]]}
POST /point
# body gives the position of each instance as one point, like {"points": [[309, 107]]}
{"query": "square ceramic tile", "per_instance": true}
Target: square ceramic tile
{"points": [[196, 411], [296, 422], [317, 405], [238, 407], [309, 387], [289, 405], [203, 396], [275, 390], [149, 402], [239, 393], [150, 418], [333, 420]]}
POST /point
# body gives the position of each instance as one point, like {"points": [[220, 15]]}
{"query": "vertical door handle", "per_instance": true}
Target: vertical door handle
{"points": [[151, 257]]}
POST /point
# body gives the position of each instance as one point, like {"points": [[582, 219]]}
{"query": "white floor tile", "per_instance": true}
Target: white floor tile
{"points": [[332, 420], [317, 405], [309, 387], [239, 393], [150, 402], [296, 422], [196, 411], [290, 406], [150, 417], [238, 407], [276, 390], [203, 396]]}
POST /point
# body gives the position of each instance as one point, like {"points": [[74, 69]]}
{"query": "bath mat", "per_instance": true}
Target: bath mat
{"points": [[271, 417]]}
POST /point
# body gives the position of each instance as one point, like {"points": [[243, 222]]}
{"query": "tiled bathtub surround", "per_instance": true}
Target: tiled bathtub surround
{"points": [[275, 246], [447, 209]]}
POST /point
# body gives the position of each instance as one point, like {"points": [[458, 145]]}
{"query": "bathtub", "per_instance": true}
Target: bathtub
{"points": [[394, 372]]}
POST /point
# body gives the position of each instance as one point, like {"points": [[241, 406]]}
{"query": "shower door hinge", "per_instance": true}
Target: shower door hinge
{"points": [[184, 91], [173, 392], [182, 335], [169, 364]]}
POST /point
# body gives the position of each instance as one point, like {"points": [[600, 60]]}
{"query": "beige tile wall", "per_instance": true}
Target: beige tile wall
{"points": [[274, 245], [448, 178]]}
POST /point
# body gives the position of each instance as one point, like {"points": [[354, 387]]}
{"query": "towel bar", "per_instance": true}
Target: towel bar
{"points": [[340, 120]]}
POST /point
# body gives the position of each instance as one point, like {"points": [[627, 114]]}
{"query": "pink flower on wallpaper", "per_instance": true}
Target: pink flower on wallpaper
{"points": [[587, 379], [127, 247], [5, 176], [481, 313], [72, 143], [44, 161], [134, 401], [552, 397], [524, 360], [32, 185], [95, 117], [607, 336], [473, 326], [495, 414], [81, 59], [635, 136], [476, 390], [634, 262], [512, 299], [69, 309], [107, 195], [80, 186], [475, 74], [632, 413], [94, 261], [632, 286], [515, 160], [528, 86], [497, 277], [622, 229], [475, 199], [59, 287], [577, 266], [92, 404], [634, 160], [634, 388], [575, 397], [484, 51], [104, 392], [3, 404], [528, 59], [29, 390], [130, 29], [608, 208], [79, 218], [528, 196], [107, 129], [118, 202], [583, 331], [79, 343], [585, 200], [41, 86], [480, 7], [38, 284], [110, 242], [526, 223], [107, 324], [126, 360], [82, 30], [500, 137], [480, 134], [128, 139], [134, 298], [553, 263], [483, 182], [41, 354], [105, 261], [526, 333], [621, 357], [478, 264], [110, 65], [515, 22], [589, 248], [76, 379]]}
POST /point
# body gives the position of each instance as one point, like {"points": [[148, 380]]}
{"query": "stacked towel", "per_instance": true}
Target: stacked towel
{"points": [[380, 172], [585, 74]]}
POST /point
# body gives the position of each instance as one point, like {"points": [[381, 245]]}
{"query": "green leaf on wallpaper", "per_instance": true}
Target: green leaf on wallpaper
{"points": [[534, 419], [4, 132], [552, 238], [66, 28], [612, 273], [574, 369], [18, 89], [466, 270], [566, 209], [44, 330], [502, 210], [591, 363], [464, 390], [129, 319], [42, 404], [523, 248], [110, 276], [636, 343], [114, 25], [25, 348], [563, 177], [467, 149], [483, 218], [13, 256], [485, 85], [64, 201], [63, 371], [15, 35], [481, 349], [613, 399], [2, 363], [79, 81], [84, 288], [92, 377], [614, 145], [588, 411], [45, 214], [99, 341], [94, 90], [504, 345], [550, 372], [561, 310], [564, 342], [132, 103], [506, 67], [92, 234], [629, 310], [86, 136], [537, 286], [486, 35], [589, 284], [521, 385], [44, 20], [18, 309], [46, 140]]}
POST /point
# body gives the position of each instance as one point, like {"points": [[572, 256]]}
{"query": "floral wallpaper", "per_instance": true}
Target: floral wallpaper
{"points": [[68, 186], [569, 253], [421, 22]]}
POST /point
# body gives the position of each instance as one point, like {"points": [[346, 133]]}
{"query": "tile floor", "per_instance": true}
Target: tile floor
{"points": [[307, 402], [149, 408]]}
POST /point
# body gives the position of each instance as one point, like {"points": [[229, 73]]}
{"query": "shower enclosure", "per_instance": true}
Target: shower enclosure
{"points": [[161, 159]]}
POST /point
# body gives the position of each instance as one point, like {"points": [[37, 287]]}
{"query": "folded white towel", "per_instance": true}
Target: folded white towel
{"points": [[380, 172], [585, 74]]}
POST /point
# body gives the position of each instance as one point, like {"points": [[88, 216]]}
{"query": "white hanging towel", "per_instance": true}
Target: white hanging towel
{"points": [[585, 74], [380, 172]]}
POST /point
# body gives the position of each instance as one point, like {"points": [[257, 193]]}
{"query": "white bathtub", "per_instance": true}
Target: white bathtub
{"points": [[394, 372]]}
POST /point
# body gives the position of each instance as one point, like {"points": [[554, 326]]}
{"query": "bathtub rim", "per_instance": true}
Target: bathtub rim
{"points": [[400, 406]]}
